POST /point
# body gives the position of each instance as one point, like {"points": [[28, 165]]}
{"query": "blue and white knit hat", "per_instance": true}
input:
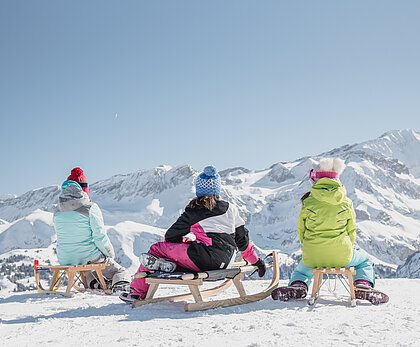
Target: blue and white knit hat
{"points": [[208, 182]]}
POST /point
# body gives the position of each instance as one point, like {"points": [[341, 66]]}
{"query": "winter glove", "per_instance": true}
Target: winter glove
{"points": [[261, 267], [110, 251]]}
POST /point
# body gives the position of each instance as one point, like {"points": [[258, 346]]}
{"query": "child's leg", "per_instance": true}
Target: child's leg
{"points": [[301, 277], [175, 252], [115, 272], [139, 285], [302, 273], [364, 267]]}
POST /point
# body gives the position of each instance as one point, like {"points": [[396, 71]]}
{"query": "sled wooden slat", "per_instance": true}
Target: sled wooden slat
{"points": [[199, 296], [181, 297], [317, 283], [71, 273]]}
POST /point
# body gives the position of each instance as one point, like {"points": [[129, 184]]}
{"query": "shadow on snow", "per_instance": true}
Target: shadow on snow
{"points": [[162, 310]]}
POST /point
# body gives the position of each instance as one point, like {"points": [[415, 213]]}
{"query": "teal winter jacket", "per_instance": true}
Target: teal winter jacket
{"points": [[79, 225]]}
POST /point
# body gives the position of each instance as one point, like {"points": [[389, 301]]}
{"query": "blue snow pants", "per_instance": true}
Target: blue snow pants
{"points": [[362, 263]]}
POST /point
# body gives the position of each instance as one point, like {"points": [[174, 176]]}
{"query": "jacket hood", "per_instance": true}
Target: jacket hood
{"points": [[330, 191], [72, 197], [70, 183]]}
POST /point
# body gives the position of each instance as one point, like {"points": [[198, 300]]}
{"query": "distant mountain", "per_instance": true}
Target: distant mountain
{"points": [[382, 178], [411, 267], [33, 231], [15, 207]]}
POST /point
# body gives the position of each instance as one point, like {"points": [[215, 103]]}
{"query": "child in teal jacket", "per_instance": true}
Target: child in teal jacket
{"points": [[81, 235]]}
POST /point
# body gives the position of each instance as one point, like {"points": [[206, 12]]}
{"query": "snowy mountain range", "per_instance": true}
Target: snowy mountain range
{"points": [[382, 178]]}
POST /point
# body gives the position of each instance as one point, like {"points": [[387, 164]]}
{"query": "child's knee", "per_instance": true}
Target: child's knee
{"points": [[156, 249]]}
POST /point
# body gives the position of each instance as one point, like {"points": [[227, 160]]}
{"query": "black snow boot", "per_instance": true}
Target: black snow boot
{"points": [[297, 290]]}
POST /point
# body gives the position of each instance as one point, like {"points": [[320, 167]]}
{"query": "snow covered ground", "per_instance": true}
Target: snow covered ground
{"points": [[93, 319]]}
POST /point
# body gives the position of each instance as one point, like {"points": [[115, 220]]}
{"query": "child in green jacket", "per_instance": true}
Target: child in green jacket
{"points": [[327, 231]]}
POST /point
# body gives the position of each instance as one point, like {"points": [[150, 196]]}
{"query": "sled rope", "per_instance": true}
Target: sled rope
{"points": [[62, 276], [332, 291], [77, 278], [335, 285], [345, 285]]}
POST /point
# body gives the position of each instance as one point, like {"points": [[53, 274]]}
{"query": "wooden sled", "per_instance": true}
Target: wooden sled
{"points": [[349, 271], [195, 280], [73, 273]]}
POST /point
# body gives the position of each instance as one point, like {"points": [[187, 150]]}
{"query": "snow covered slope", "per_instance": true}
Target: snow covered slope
{"points": [[34, 231], [92, 319], [382, 178], [411, 267]]}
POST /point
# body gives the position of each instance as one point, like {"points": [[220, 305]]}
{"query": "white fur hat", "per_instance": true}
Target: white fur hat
{"points": [[327, 167]]}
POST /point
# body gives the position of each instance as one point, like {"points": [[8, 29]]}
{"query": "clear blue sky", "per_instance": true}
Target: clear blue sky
{"points": [[232, 83]]}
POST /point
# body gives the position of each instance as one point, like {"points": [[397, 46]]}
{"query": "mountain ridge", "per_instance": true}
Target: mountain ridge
{"points": [[382, 178]]}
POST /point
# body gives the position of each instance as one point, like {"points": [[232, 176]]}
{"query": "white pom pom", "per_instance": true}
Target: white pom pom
{"points": [[325, 165], [338, 165], [331, 165]]}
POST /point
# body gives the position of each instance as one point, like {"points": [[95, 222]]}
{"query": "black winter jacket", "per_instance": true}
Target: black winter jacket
{"points": [[218, 234]]}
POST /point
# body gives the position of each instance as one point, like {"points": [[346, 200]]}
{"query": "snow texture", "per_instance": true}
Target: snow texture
{"points": [[93, 319]]}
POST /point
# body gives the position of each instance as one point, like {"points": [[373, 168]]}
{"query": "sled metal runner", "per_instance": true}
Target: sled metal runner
{"points": [[318, 272], [195, 280], [73, 273]]}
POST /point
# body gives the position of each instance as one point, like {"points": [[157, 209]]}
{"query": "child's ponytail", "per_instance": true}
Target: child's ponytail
{"points": [[304, 196]]}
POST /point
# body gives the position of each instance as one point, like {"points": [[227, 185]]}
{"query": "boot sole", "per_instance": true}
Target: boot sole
{"points": [[151, 262], [375, 297], [288, 293]]}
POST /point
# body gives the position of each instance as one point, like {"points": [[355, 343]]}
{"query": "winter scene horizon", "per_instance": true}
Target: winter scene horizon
{"points": [[142, 96]]}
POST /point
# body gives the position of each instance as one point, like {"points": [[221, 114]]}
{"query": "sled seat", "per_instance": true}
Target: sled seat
{"points": [[206, 276], [73, 273], [343, 271], [195, 279]]}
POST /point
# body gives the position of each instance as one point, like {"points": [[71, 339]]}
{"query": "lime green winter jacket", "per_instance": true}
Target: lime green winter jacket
{"points": [[327, 225]]}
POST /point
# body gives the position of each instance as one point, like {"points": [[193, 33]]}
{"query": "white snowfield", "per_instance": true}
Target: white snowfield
{"points": [[94, 319]]}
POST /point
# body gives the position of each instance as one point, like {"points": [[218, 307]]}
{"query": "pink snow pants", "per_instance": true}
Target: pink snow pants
{"points": [[175, 252]]}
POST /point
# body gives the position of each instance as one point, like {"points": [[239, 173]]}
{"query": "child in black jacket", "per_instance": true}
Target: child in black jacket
{"points": [[219, 232]]}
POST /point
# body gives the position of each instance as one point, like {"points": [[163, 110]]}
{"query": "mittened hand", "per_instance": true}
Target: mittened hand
{"points": [[261, 267]]}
